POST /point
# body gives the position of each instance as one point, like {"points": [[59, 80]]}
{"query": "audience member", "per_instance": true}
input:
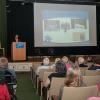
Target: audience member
{"points": [[81, 62], [73, 79], [44, 65], [60, 71], [4, 94], [95, 66], [90, 59], [68, 63], [4, 66]]}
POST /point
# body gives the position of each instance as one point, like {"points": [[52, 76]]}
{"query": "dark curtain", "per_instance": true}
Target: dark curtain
{"points": [[3, 28]]}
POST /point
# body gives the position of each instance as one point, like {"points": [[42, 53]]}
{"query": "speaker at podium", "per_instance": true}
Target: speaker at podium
{"points": [[18, 50]]}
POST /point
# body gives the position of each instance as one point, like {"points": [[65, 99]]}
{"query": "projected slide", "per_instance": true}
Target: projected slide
{"points": [[65, 26]]}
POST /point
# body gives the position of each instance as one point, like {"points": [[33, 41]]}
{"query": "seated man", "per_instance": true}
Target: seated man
{"points": [[8, 74], [4, 66]]}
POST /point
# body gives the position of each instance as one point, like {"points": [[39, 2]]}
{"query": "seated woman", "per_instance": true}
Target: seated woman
{"points": [[81, 62], [73, 79], [60, 71], [44, 65]]}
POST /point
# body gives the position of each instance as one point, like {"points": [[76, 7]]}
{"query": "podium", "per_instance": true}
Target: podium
{"points": [[18, 51]]}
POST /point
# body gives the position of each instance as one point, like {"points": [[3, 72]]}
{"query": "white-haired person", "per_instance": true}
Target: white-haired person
{"points": [[45, 65], [4, 66], [6, 71]]}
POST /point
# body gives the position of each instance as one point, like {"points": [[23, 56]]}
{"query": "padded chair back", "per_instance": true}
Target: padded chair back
{"points": [[83, 69], [55, 87], [45, 75], [92, 72], [41, 73], [79, 93], [91, 80]]}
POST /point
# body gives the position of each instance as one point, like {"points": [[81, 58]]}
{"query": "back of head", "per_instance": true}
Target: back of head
{"points": [[3, 62], [65, 59], [81, 60], [60, 67], [71, 77]]}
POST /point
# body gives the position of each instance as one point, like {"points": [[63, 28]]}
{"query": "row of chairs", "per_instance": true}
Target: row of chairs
{"points": [[42, 77], [79, 93], [56, 84], [90, 78], [86, 72]]}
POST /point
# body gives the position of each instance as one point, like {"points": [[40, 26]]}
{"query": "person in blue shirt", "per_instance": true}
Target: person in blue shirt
{"points": [[4, 66]]}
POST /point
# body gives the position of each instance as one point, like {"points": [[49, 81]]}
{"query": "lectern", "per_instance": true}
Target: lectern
{"points": [[18, 51]]}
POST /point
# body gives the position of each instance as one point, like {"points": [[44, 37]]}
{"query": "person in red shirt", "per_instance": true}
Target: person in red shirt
{"points": [[4, 94]]}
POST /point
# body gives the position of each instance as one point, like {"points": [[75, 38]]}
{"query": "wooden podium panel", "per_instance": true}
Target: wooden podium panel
{"points": [[18, 51]]}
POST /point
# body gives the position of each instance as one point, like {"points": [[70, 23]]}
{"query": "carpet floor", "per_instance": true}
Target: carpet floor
{"points": [[25, 90]]}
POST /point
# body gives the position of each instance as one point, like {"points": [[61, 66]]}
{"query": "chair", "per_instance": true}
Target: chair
{"points": [[56, 84], [41, 73], [79, 93], [33, 73], [91, 80], [83, 69], [45, 76], [92, 72]]}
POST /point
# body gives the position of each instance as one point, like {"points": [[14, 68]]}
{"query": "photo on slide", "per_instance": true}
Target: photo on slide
{"points": [[65, 26]]}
